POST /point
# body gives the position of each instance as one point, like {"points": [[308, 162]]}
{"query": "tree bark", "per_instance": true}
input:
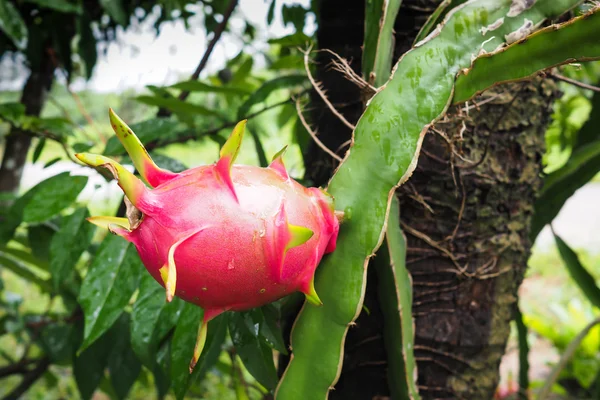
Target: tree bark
{"points": [[17, 142], [471, 194]]}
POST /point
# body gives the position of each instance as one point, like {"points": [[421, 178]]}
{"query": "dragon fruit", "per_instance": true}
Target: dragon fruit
{"points": [[225, 237]]}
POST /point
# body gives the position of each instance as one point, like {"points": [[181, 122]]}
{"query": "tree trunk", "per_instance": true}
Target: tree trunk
{"points": [[17, 142], [465, 211]]}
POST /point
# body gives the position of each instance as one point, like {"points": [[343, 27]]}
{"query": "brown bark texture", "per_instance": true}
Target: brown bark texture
{"points": [[465, 211], [17, 142]]}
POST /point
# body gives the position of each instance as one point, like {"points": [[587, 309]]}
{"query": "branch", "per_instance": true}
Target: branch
{"points": [[319, 89], [214, 131], [29, 379], [209, 49], [20, 367], [313, 135], [574, 82]]}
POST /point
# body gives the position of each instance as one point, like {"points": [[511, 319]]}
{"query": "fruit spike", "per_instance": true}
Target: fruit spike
{"points": [[136, 150], [311, 294], [132, 186], [259, 248], [277, 164], [228, 154], [200, 342], [282, 237], [168, 272]]}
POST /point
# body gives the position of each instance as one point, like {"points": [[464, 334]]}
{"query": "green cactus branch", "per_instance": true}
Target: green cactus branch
{"points": [[395, 294], [386, 144], [572, 41], [379, 40]]}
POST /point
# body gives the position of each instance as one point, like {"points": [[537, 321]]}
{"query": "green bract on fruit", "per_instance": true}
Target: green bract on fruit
{"points": [[225, 237]]}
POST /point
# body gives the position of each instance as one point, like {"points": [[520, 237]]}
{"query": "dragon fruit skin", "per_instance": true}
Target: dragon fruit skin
{"points": [[225, 237]]}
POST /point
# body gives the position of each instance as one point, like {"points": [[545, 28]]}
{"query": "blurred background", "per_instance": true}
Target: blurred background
{"points": [[141, 59]]}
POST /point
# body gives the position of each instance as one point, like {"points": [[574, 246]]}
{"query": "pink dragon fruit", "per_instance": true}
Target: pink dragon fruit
{"points": [[225, 237]]}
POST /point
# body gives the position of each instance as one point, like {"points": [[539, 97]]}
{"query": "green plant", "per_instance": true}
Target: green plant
{"points": [[105, 293]]}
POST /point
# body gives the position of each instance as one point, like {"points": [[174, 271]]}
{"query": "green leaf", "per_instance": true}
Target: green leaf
{"points": [[294, 14], [123, 365], [114, 8], [260, 95], [260, 150], [168, 163], [270, 329], [523, 349], [51, 196], [12, 112], [437, 17], [576, 39], [64, 6], [395, 297], [590, 132], [584, 280], [87, 44], [147, 131], [40, 237], [561, 184], [38, 150], [144, 318], [24, 272], [182, 348], [197, 86], [68, 244], [109, 284], [256, 355], [57, 342], [88, 367], [25, 256], [179, 107], [12, 24], [297, 39], [271, 12], [379, 40], [292, 61]]}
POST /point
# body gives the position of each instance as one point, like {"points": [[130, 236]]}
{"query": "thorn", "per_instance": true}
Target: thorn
{"points": [[168, 272], [311, 294], [277, 164], [283, 236], [200, 342], [299, 235], [136, 150], [105, 222], [132, 186], [232, 146], [228, 154], [119, 231]]}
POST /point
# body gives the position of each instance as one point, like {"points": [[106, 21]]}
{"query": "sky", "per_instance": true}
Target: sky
{"points": [[139, 58]]}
